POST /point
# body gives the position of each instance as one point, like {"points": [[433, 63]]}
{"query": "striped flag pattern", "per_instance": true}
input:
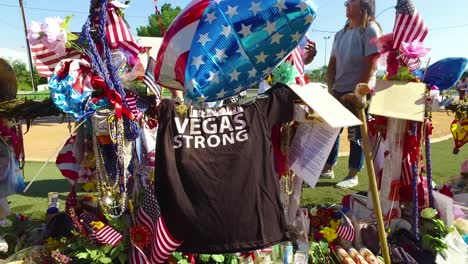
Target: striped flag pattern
{"points": [[131, 99], [106, 235], [346, 229], [46, 60], [117, 32], [406, 171], [149, 78], [409, 25], [296, 60], [66, 161], [162, 243]]}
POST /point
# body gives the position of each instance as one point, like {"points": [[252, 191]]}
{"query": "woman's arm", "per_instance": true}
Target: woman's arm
{"points": [[370, 65], [331, 72]]}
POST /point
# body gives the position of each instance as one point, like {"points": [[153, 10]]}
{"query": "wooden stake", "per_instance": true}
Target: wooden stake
{"points": [[361, 90]]}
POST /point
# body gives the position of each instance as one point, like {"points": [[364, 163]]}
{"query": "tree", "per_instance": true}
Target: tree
{"points": [[168, 14], [318, 75], [22, 74]]}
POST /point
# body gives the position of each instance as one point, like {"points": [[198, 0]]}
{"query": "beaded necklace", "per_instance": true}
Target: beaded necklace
{"points": [[110, 189]]}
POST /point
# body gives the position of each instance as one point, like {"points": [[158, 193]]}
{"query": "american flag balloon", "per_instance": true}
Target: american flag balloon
{"points": [[218, 48]]}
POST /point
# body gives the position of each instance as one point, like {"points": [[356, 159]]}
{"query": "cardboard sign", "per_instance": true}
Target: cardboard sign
{"points": [[402, 100], [325, 105]]}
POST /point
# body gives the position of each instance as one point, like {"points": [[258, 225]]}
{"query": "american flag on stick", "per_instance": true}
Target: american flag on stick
{"points": [[149, 78], [409, 25], [106, 235], [346, 229], [162, 243], [297, 61]]}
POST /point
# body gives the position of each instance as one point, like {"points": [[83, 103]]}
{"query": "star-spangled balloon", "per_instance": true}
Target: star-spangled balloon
{"points": [[218, 48]]}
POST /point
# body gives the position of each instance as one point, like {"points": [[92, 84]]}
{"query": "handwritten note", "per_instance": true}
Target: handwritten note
{"points": [[310, 148], [399, 100]]}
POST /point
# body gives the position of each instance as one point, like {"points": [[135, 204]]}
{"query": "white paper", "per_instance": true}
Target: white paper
{"points": [[325, 105], [399, 100], [310, 148], [444, 206]]}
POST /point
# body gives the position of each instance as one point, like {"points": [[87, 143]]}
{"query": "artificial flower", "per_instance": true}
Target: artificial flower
{"points": [[334, 224], [313, 211], [315, 221], [285, 73], [61, 258], [34, 32], [52, 27], [140, 236], [329, 234], [414, 49], [97, 224], [428, 213], [446, 191]]}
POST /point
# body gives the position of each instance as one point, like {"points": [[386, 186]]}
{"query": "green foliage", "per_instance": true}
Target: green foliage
{"points": [[319, 252], [404, 74], [83, 251], [168, 14], [23, 75], [318, 75]]}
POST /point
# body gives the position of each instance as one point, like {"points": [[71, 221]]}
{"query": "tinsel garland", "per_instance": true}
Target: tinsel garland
{"points": [[28, 109], [414, 183]]}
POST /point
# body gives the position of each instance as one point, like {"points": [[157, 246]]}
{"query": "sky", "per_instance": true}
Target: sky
{"points": [[447, 22]]}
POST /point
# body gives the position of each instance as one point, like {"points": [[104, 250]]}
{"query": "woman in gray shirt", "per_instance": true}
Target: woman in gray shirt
{"points": [[353, 60]]}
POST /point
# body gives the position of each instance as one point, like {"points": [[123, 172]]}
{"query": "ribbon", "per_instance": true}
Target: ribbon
{"points": [[114, 98]]}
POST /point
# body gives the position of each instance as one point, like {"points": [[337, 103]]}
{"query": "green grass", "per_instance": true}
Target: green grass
{"points": [[445, 165], [34, 202]]}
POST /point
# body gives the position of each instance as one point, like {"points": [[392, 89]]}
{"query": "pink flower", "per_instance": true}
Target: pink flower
{"points": [[413, 49], [55, 37], [34, 32]]}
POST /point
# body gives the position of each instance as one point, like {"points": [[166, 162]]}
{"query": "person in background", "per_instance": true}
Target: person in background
{"points": [[353, 60], [462, 87]]}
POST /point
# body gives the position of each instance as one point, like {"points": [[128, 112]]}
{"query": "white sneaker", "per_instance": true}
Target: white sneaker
{"points": [[348, 182], [328, 174]]}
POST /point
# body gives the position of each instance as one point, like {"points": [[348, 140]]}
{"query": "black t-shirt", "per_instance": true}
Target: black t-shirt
{"points": [[215, 177]]}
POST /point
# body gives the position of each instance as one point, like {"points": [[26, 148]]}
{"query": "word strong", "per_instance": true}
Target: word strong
{"points": [[211, 128]]}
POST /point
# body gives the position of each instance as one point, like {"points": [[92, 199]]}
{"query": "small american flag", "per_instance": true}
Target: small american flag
{"points": [[106, 235], [131, 100], [117, 32], [46, 60], [162, 243], [296, 60], [409, 25], [149, 78], [346, 229]]}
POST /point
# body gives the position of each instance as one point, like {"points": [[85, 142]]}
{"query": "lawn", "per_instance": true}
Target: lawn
{"points": [[34, 202]]}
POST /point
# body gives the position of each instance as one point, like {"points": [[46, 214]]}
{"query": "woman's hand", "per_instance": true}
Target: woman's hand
{"points": [[310, 52]]}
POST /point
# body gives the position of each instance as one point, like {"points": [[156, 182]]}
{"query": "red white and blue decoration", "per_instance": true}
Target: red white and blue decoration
{"points": [[218, 48]]}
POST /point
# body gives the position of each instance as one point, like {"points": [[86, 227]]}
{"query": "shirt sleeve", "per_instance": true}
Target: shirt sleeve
{"points": [[279, 106], [333, 49], [370, 44]]}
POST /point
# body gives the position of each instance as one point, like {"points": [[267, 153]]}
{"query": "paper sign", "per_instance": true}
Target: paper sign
{"points": [[444, 206], [310, 148], [325, 105], [399, 100]]}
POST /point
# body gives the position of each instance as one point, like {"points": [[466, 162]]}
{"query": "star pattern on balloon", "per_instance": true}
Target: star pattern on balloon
{"points": [[231, 51]]}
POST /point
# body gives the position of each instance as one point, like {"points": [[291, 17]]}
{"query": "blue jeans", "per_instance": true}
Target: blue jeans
{"points": [[356, 153]]}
